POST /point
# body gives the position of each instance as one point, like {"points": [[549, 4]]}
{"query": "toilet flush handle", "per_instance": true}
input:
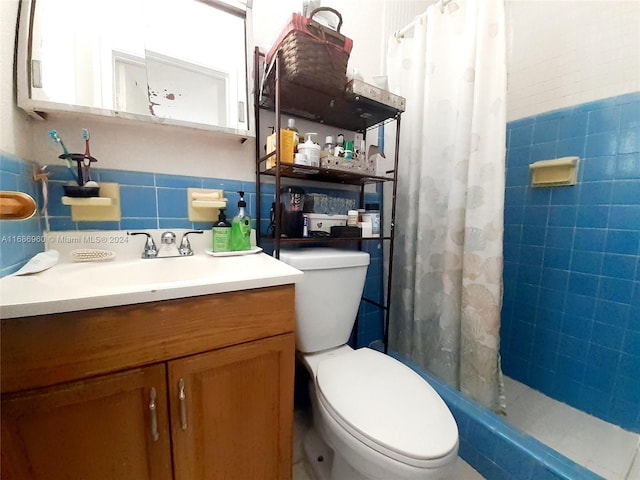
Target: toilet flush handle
{"points": [[183, 404]]}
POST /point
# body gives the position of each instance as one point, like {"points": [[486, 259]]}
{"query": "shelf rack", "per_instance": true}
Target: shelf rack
{"points": [[346, 111]]}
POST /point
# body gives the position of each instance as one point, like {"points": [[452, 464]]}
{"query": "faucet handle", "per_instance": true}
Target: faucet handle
{"points": [[185, 246], [150, 249]]}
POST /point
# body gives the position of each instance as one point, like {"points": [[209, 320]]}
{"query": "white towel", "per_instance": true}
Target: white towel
{"points": [[40, 262]]}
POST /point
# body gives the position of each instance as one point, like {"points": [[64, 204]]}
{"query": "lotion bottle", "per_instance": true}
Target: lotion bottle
{"points": [[221, 233], [241, 228]]}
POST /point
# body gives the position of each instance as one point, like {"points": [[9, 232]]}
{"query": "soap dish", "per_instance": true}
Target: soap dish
{"points": [[92, 255], [76, 191]]}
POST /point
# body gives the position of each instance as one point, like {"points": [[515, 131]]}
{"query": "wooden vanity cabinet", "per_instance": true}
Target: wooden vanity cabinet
{"points": [[115, 400]]}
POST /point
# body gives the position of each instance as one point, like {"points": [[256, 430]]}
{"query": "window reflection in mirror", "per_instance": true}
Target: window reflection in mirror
{"points": [[176, 59]]}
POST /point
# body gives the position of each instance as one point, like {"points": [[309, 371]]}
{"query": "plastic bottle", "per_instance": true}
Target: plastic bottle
{"points": [[291, 125], [221, 233], [329, 145], [241, 228]]}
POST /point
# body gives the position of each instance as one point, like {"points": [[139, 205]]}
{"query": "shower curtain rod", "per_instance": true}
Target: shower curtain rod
{"points": [[403, 31]]}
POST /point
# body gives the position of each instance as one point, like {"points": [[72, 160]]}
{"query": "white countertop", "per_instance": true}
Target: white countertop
{"points": [[70, 286]]}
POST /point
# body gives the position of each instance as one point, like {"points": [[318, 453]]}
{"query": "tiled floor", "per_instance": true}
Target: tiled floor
{"points": [[302, 471], [603, 448]]}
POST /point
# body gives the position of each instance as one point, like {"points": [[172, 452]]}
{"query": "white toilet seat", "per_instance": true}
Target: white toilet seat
{"points": [[388, 407]]}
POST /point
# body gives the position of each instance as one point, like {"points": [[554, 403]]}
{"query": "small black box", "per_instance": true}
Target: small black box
{"points": [[341, 231]]}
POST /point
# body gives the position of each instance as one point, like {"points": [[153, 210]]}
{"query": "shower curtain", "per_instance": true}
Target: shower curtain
{"points": [[447, 279]]}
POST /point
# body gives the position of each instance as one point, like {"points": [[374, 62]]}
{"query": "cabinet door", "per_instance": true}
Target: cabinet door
{"points": [[94, 429], [231, 412]]}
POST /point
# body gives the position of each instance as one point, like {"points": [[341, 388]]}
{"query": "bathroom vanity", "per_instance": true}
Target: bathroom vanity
{"points": [[184, 388]]}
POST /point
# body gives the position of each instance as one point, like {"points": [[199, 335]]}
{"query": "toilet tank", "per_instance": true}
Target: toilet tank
{"points": [[328, 296]]}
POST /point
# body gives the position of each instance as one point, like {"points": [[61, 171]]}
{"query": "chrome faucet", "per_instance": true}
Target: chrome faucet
{"points": [[167, 245], [185, 247], [150, 249]]}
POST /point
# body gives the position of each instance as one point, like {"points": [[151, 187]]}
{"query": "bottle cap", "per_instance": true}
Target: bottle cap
{"points": [[242, 203], [291, 123], [328, 139]]}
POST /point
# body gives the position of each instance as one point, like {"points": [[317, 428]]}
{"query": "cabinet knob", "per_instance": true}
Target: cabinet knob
{"points": [[183, 404], [154, 416]]}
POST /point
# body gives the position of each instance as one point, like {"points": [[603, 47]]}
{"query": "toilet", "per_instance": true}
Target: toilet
{"points": [[373, 417]]}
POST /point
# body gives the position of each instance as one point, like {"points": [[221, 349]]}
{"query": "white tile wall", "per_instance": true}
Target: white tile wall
{"points": [[563, 53]]}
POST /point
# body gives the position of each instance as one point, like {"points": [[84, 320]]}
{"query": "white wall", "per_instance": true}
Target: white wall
{"points": [[14, 124], [563, 53]]}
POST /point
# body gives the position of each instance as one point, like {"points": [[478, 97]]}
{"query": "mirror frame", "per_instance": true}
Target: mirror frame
{"points": [[38, 109]]}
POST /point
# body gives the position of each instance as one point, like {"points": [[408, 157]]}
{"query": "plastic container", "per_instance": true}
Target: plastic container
{"points": [[221, 234], [241, 228], [311, 150], [352, 218]]}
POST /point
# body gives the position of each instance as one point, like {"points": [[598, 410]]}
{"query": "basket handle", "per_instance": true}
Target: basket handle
{"points": [[328, 9]]}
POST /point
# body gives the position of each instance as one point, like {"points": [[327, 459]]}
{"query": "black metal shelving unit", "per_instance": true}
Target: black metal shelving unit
{"points": [[347, 111]]}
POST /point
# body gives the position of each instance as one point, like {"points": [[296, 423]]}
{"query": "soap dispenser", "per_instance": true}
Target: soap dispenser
{"points": [[241, 228], [221, 233]]}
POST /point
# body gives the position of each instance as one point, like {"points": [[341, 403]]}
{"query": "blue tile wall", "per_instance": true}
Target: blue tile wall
{"points": [[148, 200], [571, 313], [19, 240], [496, 449]]}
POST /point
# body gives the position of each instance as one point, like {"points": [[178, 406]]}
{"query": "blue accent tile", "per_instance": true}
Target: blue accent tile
{"points": [[172, 203], [619, 266], [624, 217], [580, 305], [604, 120], [543, 151], [518, 157], [574, 125], [177, 181], [555, 279], [138, 202], [518, 176], [592, 216], [627, 388], [559, 258], [559, 236], [126, 178], [629, 141], [174, 223], [598, 168], [626, 192], [576, 350], [550, 299], [520, 136], [563, 216], [615, 290], [628, 166], [630, 116], [596, 193], [565, 195], [532, 255], [132, 224], [606, 335], [99, 225], [583, 284], [601, 144], [231, 186], [631, 343], [513, 215], [589, 239], [545, 131], [577, 327], [612, 313], [571, 147], [587, 262], [624, 242], [533, 235]]}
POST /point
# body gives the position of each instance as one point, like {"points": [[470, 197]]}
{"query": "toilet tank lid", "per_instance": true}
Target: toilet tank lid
{"points": [[323, 258], [388, 404]]}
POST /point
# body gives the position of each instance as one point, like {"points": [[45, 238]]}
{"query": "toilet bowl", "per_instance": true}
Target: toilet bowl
{"points": [[375, 417]]}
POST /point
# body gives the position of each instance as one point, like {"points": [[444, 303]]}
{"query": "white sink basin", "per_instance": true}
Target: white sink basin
{"points": [[80, 286], [140, 272]]}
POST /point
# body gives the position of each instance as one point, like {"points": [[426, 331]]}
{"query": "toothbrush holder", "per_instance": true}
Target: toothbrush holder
{"points": [[80, 159]]}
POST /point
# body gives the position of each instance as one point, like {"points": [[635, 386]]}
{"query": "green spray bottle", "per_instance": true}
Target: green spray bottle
{"points": [[241, 228]]}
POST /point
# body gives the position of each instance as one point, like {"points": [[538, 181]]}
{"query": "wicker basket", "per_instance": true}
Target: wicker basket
{"points": [[313, 55]]}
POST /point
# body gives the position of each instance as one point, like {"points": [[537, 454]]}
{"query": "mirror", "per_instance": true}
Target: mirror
{"points": [[181, 62]]}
